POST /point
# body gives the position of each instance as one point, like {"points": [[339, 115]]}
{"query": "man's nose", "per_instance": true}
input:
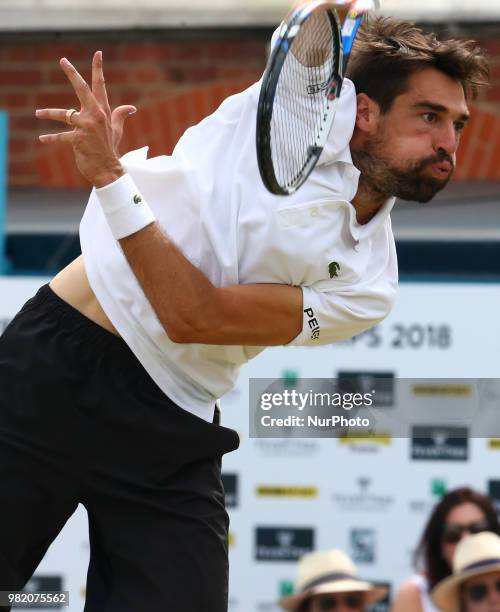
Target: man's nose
{"points": [[446, 139]]}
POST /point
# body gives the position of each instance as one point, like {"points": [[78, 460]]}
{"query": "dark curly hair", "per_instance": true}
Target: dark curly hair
{"points": [[387, 52]]}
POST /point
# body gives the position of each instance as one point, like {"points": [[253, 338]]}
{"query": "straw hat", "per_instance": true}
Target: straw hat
{"points": [[476, 554], [329, 572]]}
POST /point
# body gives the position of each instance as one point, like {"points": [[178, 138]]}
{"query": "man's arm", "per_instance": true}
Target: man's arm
{"points": [[191, 309]]}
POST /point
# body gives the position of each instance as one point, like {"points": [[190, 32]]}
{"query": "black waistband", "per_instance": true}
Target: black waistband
{"points": [[69, 317]]}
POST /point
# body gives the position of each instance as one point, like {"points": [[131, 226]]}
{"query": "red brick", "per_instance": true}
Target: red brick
{"points": [[148, 52], [18, 100], [19, 147], [486, 127], [187, 51], [57, 99], [493, 94], [492, 46], [20, 77], [120, 96], [192, 74], [146, 74], [73, 53], [20, 53], [55, 77], [24, 123], [165, 128], [21, 167], [43, 165], [495, 71], [493, 168], [230, 50], [116, 76]]}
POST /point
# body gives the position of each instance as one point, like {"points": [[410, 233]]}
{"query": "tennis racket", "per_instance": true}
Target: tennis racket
{"points": [[300, 90]]}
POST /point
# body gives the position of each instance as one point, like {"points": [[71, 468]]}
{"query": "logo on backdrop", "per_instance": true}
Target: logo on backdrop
{"points": [[286, 491], [434, 443], [438, 488], [380, 384], [365, 444], [283, 543], [285, 588], [441, 390], [362, 545], [302, 448], [230, 483], [363, 499], [494, 444], [494, 493]]}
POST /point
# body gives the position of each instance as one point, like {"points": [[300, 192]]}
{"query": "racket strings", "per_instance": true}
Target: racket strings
{"points": [[301, 102]]}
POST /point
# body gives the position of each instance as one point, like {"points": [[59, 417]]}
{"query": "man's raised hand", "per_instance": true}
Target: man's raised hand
{"points": [[97, 130]]}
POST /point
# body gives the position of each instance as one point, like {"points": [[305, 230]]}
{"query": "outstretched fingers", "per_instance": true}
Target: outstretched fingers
{"points": [[59, 114], [98, 82], [54, 138], [82, 90]]}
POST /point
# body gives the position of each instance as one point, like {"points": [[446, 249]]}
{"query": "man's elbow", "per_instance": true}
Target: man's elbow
{"points": [[183, 332]]}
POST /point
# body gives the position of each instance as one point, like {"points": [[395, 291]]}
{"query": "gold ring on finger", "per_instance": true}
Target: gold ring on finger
{"points": [[69, 115]]}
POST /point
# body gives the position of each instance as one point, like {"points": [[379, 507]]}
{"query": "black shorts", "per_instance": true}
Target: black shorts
{"points": [[82, 422]]}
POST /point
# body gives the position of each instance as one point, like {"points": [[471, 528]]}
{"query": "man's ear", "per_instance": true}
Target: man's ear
{"points": [[367, 114]]}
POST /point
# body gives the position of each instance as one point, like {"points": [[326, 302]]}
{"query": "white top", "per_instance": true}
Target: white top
{"points": [[210, 200], [423, 586]]}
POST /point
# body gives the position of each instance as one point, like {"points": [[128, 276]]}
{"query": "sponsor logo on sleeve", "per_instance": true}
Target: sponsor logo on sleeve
{"points": [[313, 323]]}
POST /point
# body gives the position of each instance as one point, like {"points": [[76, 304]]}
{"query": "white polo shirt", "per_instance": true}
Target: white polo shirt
{"points": [[209, 199]]}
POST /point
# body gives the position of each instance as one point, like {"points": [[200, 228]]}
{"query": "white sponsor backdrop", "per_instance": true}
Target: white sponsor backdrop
{"points": [[369, 498]]}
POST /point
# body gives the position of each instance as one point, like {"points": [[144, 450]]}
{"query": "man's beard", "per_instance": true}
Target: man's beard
{"points": [[408, 182]]}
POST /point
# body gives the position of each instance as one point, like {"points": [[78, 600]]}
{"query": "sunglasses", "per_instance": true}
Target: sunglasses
{"points": [[453, 532], [353, 601], [478, 592]]}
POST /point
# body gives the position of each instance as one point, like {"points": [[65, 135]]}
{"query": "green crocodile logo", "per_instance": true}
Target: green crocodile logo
{"points": [[137, 199], [334, 269]]}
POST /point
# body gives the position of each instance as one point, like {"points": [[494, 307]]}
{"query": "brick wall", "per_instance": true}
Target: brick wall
{"points": [[174, 83]]}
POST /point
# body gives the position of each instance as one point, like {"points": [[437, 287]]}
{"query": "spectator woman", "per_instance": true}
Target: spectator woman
{"points": [[460, 512]]}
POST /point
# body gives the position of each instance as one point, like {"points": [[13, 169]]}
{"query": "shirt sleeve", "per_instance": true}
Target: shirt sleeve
{"points": [[334, 315]]}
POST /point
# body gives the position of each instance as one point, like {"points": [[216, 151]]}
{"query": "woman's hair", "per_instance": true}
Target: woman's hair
{"points": [[387, 53], [429, 550]]}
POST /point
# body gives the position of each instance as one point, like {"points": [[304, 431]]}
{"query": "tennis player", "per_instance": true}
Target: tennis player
{"points": [[111, 373]]}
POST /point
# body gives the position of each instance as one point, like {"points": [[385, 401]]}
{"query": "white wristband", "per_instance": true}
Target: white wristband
{"points": [[125, 209]]}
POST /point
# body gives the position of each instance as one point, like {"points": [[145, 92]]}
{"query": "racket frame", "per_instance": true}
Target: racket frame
{"points": [[344, 41], [289, 30]]}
